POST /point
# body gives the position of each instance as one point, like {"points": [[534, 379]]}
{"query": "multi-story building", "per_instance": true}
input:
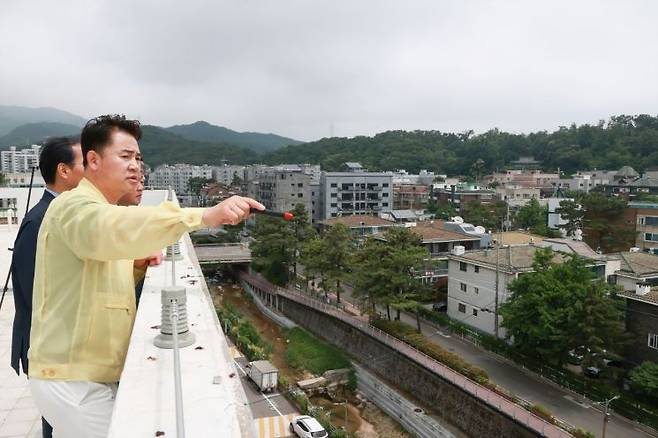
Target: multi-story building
{"points": [[424, 178], [525, 178], [410, 197], [642, 321], [355, 192], [19, 161], [177, 176], [472, 290], [517, 196], [645, 217], [227, 173], [281, 188], [23, 179], [464, 193]]}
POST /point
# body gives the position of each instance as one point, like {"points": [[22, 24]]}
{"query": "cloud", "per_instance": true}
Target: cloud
{"points": [[298, 67]]}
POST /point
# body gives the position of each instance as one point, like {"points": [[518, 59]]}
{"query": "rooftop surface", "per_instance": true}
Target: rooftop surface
{"points": [[639, 263], [212, 395], [517, 238], [510, 258], [650, 298], [359, 220], [433, 231]]}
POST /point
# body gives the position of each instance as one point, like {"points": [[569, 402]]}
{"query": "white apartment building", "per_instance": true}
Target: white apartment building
{"points": [[355, 192], [23, 179], [517, 196], [19, 161], [226, 174], [177, 176]]}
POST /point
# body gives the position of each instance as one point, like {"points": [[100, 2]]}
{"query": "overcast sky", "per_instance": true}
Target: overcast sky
{"points": [[302, 68]]}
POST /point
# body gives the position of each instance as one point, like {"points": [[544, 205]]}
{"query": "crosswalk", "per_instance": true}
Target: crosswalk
{"points": [[274, 427]]}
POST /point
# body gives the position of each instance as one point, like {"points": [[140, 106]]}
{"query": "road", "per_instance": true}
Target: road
{"points": [[562, 403], [272, 412]]}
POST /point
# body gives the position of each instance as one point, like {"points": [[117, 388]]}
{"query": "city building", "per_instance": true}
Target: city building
{"points": [[361, 225], [355, 192], [517, 196], [406, 216], [524, 163], [22, 179], [19, 161], [281, 188], [424, 178], [553, 203], [642, 321], [410, 197], [14, 205], [228, 173], [472, 291], [464, 193], [177, 176], [525, 178], [644, 215]]}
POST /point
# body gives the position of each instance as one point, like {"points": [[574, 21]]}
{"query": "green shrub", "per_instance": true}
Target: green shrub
{"points": [[542, 412], [580, 433], [409, 335]]}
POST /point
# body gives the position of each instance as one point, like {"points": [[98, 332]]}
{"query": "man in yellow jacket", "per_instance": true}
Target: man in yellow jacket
{"points": [[84, 290]]}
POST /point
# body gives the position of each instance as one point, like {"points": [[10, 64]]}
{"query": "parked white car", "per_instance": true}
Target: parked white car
{"points": [[307, 427]]}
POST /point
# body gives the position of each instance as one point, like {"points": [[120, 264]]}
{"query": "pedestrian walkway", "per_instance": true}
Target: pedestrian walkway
{"points": [[274, 427], [18, 414]]}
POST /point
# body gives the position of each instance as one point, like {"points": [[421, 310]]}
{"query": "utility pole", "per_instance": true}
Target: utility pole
{"points": [[500, 236], [606, 415]]}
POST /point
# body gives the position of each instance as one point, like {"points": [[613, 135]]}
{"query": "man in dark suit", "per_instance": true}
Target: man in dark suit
{"points": [[60, 163]]}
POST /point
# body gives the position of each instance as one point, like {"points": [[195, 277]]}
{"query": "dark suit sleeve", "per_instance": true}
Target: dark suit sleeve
{"points": [[25, 249]]}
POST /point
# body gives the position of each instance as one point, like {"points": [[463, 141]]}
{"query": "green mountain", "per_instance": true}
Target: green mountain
{"points": [[204, 131], [12, 117], [32, 133], [159, 146], [623, 140]]}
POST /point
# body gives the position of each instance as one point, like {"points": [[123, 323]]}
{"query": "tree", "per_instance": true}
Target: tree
{"points": [[236, 181], [558, 308], [338, 247], [271, 255], [573, 214], [531, 215], [195, 184], [385, 270], [276, 245], [443, 210], [3, 179], [603, 225], [644, 380], [487, 215], [478, 169], [301, 232]]}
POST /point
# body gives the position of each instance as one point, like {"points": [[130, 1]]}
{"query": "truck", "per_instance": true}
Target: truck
{"points": [[263, 374]]}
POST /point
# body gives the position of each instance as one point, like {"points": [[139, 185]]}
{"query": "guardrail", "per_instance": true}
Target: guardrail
{"points": [[493, 399]]}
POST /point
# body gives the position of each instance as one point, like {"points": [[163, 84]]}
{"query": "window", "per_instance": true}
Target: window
{"points": [[475, 312], [476, 290], [651, 237], [334, 185], [461, 308], [300, 184], [652, 341], [385, 185], [334, 205], [463, 287], [651, 220], [334, 195], [385, 195], [463, 266], [477, 269], [300, 195], [384, 204]]}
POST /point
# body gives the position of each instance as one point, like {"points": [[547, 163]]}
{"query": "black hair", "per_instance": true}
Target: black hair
{"points": [[96, 133], [56, 150]]}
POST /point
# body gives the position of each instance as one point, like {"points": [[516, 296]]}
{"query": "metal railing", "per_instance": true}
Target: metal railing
{"points": [[492, 398]]}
